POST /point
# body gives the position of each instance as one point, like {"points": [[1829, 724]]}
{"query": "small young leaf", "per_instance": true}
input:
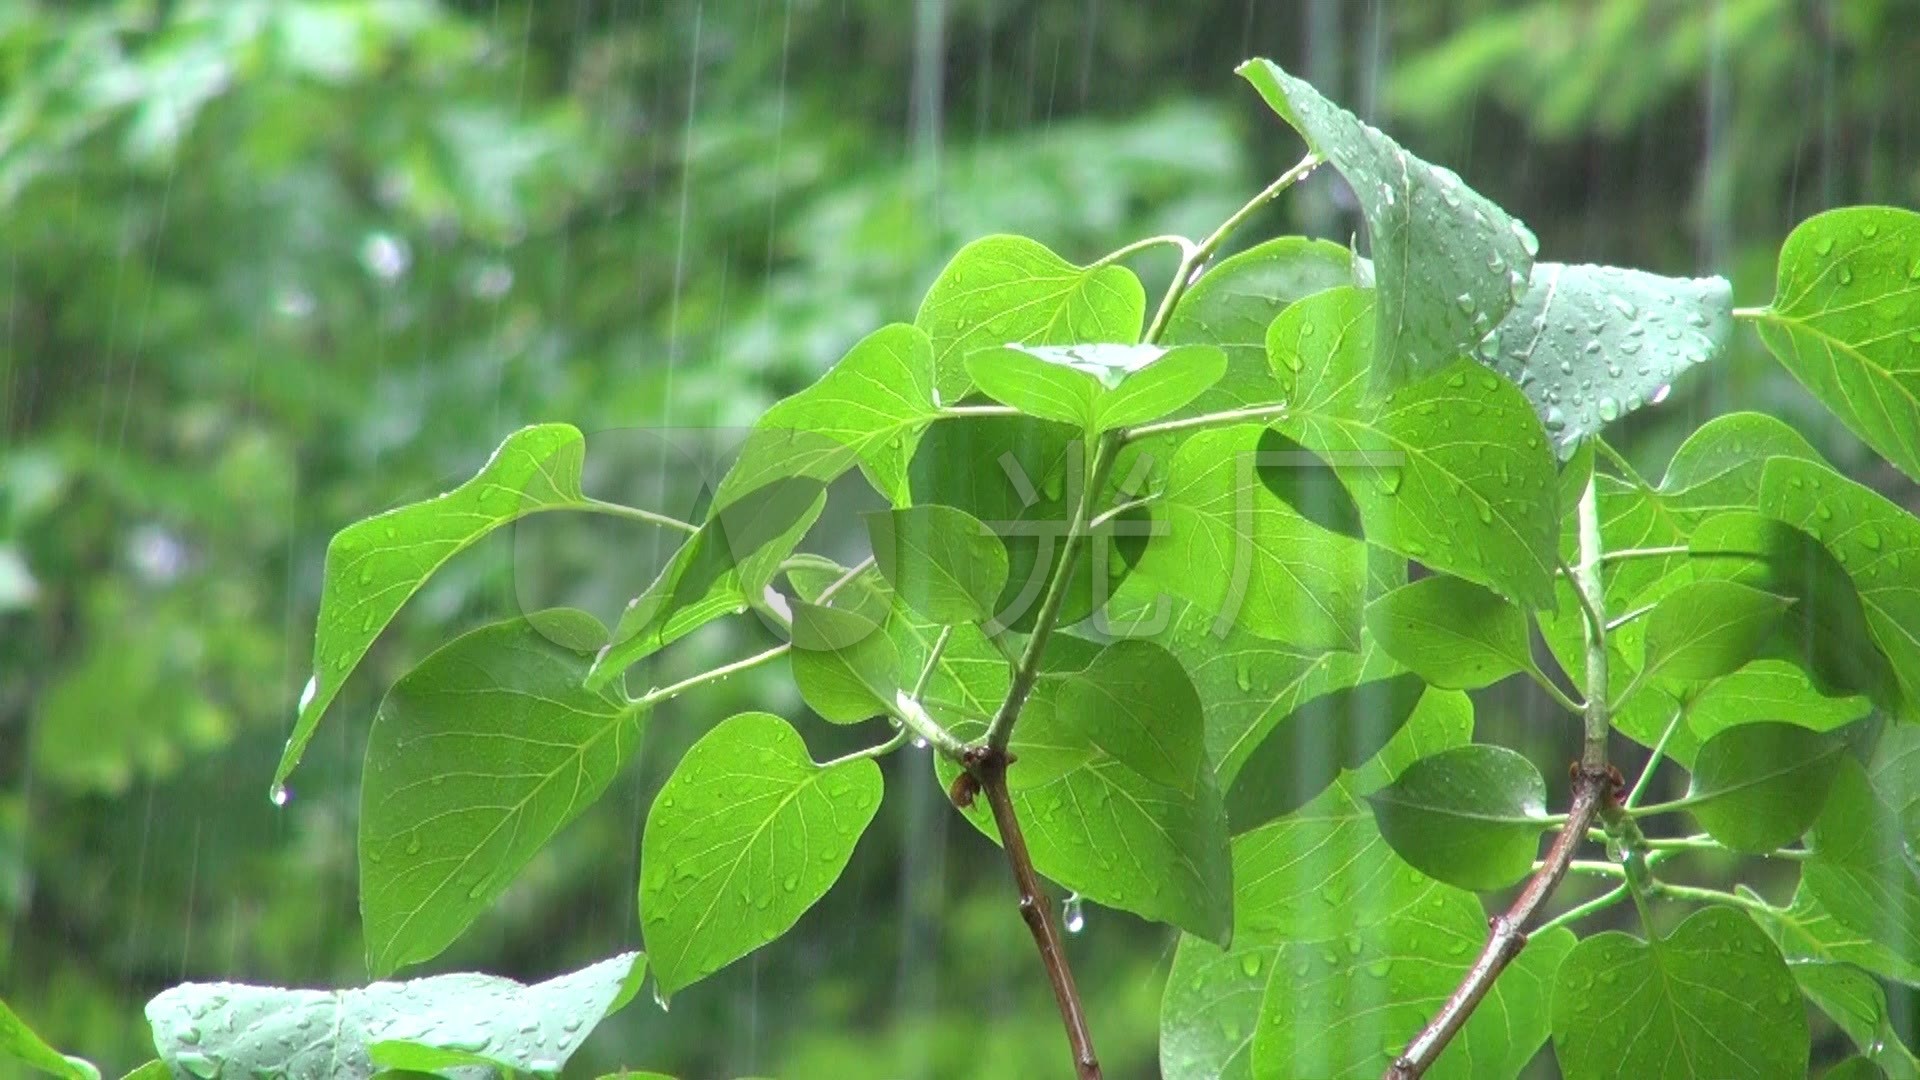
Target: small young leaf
{"points": [[476, 759], [942, 562], [1449, 263], [1757, 787], [1705, 629], [1842, 323], [1590, 344], [1862, 872], [1096, 387], [1627, 1007], [1470, 816], [743, 838], [375, 565], [19, 1043], [845, 667], [1135, 703], [230, 1029], [1002, 289], [1451, 632]]}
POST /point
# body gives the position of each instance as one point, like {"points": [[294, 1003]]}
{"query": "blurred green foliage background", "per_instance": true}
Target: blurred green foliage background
{"points": [[269, 266]]}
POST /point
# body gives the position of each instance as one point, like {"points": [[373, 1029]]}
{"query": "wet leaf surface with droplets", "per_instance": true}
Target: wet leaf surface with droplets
{"points": [[1471, 816], [1713, 997], [846, 669], [743, 838], [1448, 263], [476, 759], [231, 1029], [1135, 703], [1096, 387], [1807, 932], [1451, 632]]}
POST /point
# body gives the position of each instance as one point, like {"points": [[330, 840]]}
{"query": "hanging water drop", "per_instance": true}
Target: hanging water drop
{"points": [[278, 794], [1071, 915]]}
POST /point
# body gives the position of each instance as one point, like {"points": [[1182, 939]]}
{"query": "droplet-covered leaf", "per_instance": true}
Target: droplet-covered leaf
{"points": [[743, 838], [476, 759], [1705, 629], [1627, 1007], [1843, 322], [942, 562], [1590, 344], [1135, 703], [1096, 387], [231, 1029], [1758, 786], [1470, 816], [1448, 263], [1004, 289], [1451, 632]]}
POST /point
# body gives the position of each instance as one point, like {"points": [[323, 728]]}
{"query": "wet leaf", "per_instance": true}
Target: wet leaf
{"points": [[1857, 1004], [1759, 786], [846, 669], [1135, 704], [1471, 816], [1451, 632], [1096, 387], [942, 562], [1862, 872], [1808, 932], [1706, 629]]}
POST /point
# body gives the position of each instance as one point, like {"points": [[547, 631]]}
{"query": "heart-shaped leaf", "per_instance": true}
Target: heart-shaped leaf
{"points": [[1471, 816], [1096, 387], [1451, 632], [942, 562], [1757, 787], [1705, 629]]}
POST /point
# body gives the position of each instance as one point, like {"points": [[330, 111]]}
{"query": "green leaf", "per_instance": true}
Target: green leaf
{"points": [[373, 566], [743, 838], [1096, 387], [1861, 871], [1808, 932], [1224, 541], [1590, 344], [1758, 691], [1854, 1068], [1873, 539], [19, 1043], [1843, 323], [1471, 816], [1233, 303], [1451, 632], [1452, 471], [230, 1029], [1346, 1008], [1759, 786], [1002, 289], [870, 409], [1449, 264], [942, 562], [1705, 629], [1135, 704], [152, 1070], [1858, 1006], [845, 667], [476, 759], [721, 569], [1713, 994]]}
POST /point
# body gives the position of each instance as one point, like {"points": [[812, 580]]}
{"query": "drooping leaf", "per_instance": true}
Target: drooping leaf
{"points": [[1471, 816], [1002, 289], [1627, 1007], [743, 838], [1225, 542], [1453, 471], [1590, 344], [942, 562], [476, 759], [844, 665], [1808, 933], [1857, 1004], [869, 409], [1135, 704], [231, 1029], [1862, 872], [1757, 787], [721, 569], [373, 566], [1705, 629], [1096, 387], [1451, 632], [1448, 263], [1843, 323], [19, 1043]]}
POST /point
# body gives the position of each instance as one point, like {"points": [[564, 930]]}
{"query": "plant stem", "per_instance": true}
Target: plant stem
{"points": [[656, 696], [933, 661], [1623, 620], [1230, 416], [1751, 313], [914, 717], [1595, 784], [978, 410], [1619, 460], [1712, 896], [1623, 554], [1185, 245], [1653, 760], [1580, 911], [1556, 693], [881, 750], [634, 513]]}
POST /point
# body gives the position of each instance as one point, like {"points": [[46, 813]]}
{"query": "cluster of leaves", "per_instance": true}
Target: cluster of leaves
{"points": [[1284, 527]]}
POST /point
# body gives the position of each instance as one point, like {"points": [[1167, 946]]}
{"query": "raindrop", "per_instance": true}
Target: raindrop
{"points": [[308, 691], [1660, 395], [1465, 300], [919, 743], [1846, 275], [1609, 409], [1387, 479], [1071, 914], [1824, 246], [278, 794], [660, 999], [1527, 239], [1624, 306]]}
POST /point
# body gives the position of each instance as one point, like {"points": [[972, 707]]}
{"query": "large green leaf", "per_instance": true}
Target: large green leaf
{"points": [[1096, 387], [1857, 1004], [1449, 263], [1234, 302], [870, 409], [1135, 704], [1758, 786], [1590, 344], [1706, 629], [1713, 998], [1844, 323], [1761, 690], [720, 570], [1225, 542], [373, 566], [1453, 471], [1471, 816], [1873, 539], [19, 1043], [845, 667], [743, 838], [1862, 871], [476, 759], [1004, 289], [1808, 933], [1451, 632], [942, 562], [230, 1029]]}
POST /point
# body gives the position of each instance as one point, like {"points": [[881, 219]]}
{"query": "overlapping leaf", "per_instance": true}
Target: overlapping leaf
{"points": [[1451, 632], [1470, 816], [1096, 387], [1758, 786]]}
